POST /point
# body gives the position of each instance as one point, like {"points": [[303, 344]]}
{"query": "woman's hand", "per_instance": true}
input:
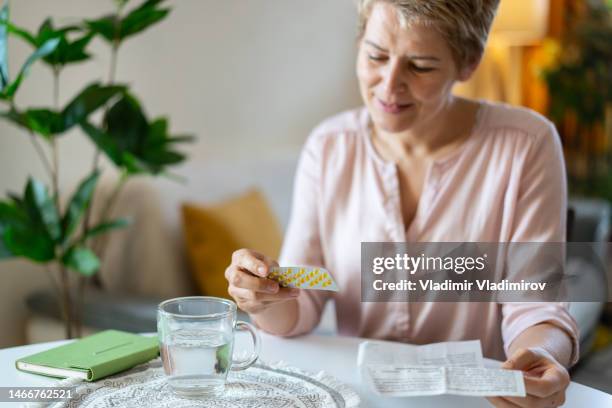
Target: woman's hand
{"points": [[545, 380], [249, 285]]}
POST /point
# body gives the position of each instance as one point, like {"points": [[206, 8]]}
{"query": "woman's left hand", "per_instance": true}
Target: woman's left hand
{"points": [[545, 380]]}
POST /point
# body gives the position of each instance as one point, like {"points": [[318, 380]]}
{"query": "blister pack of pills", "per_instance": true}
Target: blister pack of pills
{"points": [[303, 277]]}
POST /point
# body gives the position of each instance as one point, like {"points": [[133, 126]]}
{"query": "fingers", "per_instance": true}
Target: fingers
{"points": [[554, 379], [253, 262], [523, 359], [252, 302], [248, 284], [544, 376], [249, 295], [245, 280], [545, 379]]}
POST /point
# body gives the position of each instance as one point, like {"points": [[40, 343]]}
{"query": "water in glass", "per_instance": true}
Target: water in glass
{"points": [[197, 361]]}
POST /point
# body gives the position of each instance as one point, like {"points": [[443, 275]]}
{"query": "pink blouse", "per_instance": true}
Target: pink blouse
{"points": [[505, 184]]}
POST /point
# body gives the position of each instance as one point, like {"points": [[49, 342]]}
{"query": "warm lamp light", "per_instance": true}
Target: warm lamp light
{"points": [[520, 22]]}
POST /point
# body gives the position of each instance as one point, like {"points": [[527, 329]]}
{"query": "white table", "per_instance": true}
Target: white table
{"points": [[336, 355]]}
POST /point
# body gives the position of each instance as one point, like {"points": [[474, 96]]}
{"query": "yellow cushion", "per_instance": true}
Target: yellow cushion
{"points": [[213, 233]]}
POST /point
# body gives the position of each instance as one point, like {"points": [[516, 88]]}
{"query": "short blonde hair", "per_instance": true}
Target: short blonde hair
{"points": [[464, 24]]}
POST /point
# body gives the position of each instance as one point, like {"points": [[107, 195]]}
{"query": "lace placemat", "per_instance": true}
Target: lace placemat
{"points": [[262, 385]]}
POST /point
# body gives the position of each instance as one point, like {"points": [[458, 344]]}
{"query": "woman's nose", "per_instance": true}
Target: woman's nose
{"points": [[393, 81]]}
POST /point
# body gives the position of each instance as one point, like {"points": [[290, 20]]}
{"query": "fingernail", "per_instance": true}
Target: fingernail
{"points": [[261, 270], [294, 292], [273, 287]]}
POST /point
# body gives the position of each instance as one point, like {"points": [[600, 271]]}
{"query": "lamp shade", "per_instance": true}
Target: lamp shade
{"points": [[521, 22]]}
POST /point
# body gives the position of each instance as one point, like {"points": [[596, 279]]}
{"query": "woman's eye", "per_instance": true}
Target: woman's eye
{"points": [[418, 69], [376, 57]]}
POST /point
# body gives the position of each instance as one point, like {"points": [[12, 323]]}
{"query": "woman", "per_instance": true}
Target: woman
{"points": [[419, 164]]}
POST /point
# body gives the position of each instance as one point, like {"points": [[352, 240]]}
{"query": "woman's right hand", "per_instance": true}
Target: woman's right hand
{"points": [[249, 285]]}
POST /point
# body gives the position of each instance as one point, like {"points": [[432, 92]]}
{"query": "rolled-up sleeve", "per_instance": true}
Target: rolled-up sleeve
{"points": [[540, 216], [518, 317], [302, 243]]}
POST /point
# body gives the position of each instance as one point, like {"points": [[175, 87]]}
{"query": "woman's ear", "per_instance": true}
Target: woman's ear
{"points": [[468, 70]]}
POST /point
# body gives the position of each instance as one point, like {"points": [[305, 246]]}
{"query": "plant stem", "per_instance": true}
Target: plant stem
{"points": [[55, 149], [113, 65], [41, 153], [37, 147], [78, 313], [101, 241], [111, 80], [67, 301], [86, 224], [64, 278], [56, 73], [54, 283]]}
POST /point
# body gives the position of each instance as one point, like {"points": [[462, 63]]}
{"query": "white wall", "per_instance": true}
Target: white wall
{"points": [[245, 76]]}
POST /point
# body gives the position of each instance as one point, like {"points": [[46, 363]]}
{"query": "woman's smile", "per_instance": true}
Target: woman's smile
{"points": [[393, 107]]}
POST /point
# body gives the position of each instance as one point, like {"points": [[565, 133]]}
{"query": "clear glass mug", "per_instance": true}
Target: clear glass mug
{"points": [[196, 336]]}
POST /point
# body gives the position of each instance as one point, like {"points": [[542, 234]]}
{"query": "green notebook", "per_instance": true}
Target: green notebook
{"points": [[92, 357]]}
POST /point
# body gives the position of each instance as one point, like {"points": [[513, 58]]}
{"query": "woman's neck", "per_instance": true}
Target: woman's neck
{"points": [[438, 135]]}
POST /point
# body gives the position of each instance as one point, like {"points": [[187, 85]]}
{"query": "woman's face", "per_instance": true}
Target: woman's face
{"points": [[405, 74]]}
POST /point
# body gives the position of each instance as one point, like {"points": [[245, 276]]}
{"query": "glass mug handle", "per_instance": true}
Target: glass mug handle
{"points": [[238, 365]]}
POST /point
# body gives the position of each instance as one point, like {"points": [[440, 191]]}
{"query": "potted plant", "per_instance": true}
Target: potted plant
{"points": [[580, 88], [43, 223]]}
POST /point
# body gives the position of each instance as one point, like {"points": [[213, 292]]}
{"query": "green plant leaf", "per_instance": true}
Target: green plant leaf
{"points": [[10, 213], [68, 52], [81, 260], [46, 31], [77, 205], [41, 52], [132, 143], [42, 208], [181, 139], [159, 158], [4, 251], [107, 226], [4, 75], [127, 123], [114, 30], [142, 18], [22, 235], [104, 142], [44, 122], [23, 241], [48, 123], [16, 199], [20, 32], [88, 101], [107, 27]]}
